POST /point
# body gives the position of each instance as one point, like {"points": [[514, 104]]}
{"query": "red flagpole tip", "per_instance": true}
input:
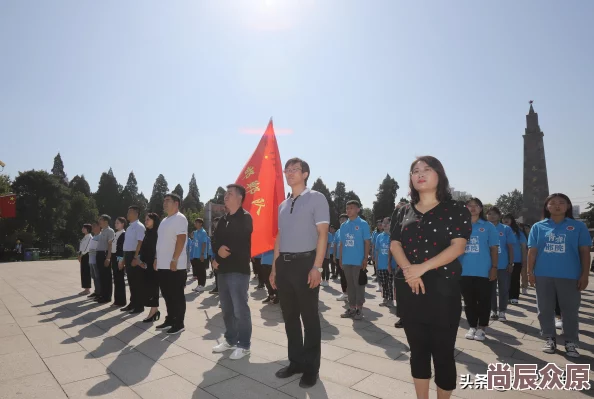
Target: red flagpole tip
{"points": [[260, 131]]}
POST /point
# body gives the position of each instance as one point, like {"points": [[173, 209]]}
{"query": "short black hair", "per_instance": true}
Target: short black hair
{"points": [[106, 218], [174, 197], [88, 227], [135, 208], [494, 209], [239, 188], [200, 220], [343, 215], [354, 202], [304, 166]]}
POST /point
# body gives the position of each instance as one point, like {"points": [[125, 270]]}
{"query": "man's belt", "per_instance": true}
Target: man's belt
{"points": [[289, 256]]}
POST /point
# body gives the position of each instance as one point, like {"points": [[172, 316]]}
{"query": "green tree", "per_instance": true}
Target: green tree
{"points": [[179, 191], [589, 214], [339, 197], [82, 210], [367, 214], [386, 199], [81, 185], [511, 203], [5, 184], [160, 189], [43, 204], [403, 199], [108, 193], [58, 169], [219, 197], [350, 195], [143, 204], [130, 196], [192, 200], [321, 187]]}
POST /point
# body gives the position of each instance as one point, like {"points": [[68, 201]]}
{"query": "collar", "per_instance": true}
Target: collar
{"points": [[307, 190], [357, 219], [552, 222], [480, 221]]}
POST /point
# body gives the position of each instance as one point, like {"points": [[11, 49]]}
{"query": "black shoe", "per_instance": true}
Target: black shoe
{"points": [[102, 301], [288, 371], [176, 329], [214, 291], [267, 300], [308, 380], [166, 324], [93, 295], [398, 324], [275, 300], [126, 309], [136, 311], [153, 318]]}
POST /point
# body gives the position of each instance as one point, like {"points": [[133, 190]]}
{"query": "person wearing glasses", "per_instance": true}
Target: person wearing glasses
{"points": [[299, 251], [429, 235]]}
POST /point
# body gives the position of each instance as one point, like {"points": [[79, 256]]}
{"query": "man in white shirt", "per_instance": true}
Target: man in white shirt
{"points": [[132, 243], [170, 262]]}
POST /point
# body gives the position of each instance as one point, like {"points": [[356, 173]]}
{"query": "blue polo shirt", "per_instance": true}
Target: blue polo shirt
{"points": [[267, 257], [209, 247], [199, 237], [373, 237], [476, 260], [353, 234], [520, 239], [337, 243], [558, 247], [331, 242], [382, 250], [506, 236]]}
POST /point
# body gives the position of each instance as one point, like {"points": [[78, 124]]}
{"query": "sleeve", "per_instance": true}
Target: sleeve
{"points": [[366, 232], [181, 226], [522, 238], [511, 236], [321, 210], [533, 237], [461, 226], [584, 239], [140, 230], [396, 225], [493, 236], [110, 235]]}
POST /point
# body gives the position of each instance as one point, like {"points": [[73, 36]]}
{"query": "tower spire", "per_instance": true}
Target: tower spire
{"points": [[532, 121]]}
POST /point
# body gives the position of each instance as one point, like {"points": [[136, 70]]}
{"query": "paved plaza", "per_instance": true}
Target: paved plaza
{"points": [[56, 344]]}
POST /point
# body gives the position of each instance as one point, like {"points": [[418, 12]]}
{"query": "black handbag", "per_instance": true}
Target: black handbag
{"points": [[363, 277]]}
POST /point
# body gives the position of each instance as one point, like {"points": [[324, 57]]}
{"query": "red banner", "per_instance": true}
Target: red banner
{"points": [[262, 177], [8, 206]]}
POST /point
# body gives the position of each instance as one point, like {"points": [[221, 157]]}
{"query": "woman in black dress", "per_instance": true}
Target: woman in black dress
{"points": [[147, 257], [428, 236]]}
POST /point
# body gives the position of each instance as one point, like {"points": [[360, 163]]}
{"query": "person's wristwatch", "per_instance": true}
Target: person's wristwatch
{"points": [[320, 269], [173, 260]]}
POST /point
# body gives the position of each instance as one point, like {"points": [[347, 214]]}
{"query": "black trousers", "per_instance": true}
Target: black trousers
{"points": [[257, 265], [199, 270], [151, 286], [332, 265], [216, 276], [172, 286], [432, 341], [105, 276], [85, 272], [265, 273], [135, 282], [326, 269], [343, 280], [476, 292], [514, 284], [119, 284], [300, 303]]}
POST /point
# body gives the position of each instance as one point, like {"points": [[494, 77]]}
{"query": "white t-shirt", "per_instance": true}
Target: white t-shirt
{"points": [[169, 229]]}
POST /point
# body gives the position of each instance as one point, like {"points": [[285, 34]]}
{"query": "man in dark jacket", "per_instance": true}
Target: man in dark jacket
{"points": [[232, 250]]}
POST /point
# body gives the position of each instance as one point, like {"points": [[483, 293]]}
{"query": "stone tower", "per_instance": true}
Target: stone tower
{"points": [[536, 182]]}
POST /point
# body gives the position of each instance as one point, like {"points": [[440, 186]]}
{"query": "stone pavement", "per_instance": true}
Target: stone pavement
{"points": [[55, 344]]}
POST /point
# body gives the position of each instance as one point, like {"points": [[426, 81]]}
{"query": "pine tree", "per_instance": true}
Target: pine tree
{"points": [[179, 191], [339, 197], [321, 187], [403, 199], [80, 184], [386, 198], [58, 169], [108, 193], [192, 200], [219, 197], [129, 194], [160, 189], [512, 202]]}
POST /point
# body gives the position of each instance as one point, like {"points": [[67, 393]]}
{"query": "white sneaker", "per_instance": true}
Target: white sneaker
{"points": [[392, 304], [559, 324], [199, 289], [223, 347], [325, 283], [480, 335], [524, 291], [342, 297], [471, 333], [239, 353], [502, 316], [514, 301]]}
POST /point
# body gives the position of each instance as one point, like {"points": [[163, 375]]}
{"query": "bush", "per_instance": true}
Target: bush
{"points": [[69, 251]]}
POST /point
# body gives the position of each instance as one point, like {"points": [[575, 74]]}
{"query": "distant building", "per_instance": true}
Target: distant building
{"points": [[576, 211], [460, 195]]}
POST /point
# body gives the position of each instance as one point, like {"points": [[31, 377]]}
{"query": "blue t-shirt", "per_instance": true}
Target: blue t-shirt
{"points": [[353, 234], [189, 247], [373, 237], [337, 243], [520, 239], [558, 247], [382, 251], [267, 257], [199, 237], [209, 247], [476, 260], [331, 242], [506, 236]]}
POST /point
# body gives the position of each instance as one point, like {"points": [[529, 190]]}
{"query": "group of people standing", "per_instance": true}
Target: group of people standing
{"points": [[428, 255]]}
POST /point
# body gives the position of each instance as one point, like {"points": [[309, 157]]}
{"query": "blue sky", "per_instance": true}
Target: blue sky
{"points": [[362, 86]]}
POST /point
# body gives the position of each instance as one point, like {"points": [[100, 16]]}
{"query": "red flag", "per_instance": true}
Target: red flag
{"points": [[8, 206], [262, 177]]}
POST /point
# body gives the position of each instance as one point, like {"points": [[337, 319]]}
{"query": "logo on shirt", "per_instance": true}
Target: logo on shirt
{"points": [[349, 240], [482, 229], [501, 233], [555, 243], [356, 227], [472, 247], [570, 228]]}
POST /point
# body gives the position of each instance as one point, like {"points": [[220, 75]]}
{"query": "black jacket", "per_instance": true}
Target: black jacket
{"points": [[120, 245], [148, 249], [234, 231]]}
